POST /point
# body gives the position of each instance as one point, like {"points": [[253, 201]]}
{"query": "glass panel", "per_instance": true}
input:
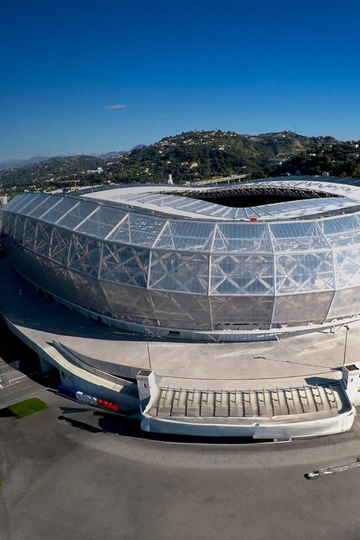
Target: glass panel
{"points": [[303, 308], [297, 237], [58, 210], [5, 222], [31, 203], [91, 291], [174, 310], [102, 222], [347, 265], [342, 231], [186, 235], [179, 272], [346, 303], [77, 215], [304, 272], [43, 238], [242, 274], [242, 237], [240, 310], [60, 242], [138, 229], [29, 233], [18, 231], [125, 264], [44, 206], [17, 202], [129, 303], [85, 254]]}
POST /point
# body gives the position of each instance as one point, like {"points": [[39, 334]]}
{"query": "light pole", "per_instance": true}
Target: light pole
{"points": [[147, 332], [345, 343]]}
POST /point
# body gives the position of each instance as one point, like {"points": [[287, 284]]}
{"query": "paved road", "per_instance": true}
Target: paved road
{"points": [[14, 384], [61, 482]]}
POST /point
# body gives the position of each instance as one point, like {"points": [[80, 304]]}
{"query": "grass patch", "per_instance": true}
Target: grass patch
{"points": [[28, 406]]}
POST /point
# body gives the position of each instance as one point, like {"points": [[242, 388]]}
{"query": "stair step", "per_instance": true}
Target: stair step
{"points": [[245, 403]]}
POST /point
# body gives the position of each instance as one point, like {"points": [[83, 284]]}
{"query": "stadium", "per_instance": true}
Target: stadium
{"points": [[164, 259], [246, 262]]}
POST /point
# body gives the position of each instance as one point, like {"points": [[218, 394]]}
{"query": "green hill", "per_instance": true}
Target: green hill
{"points": [[194, 156]]}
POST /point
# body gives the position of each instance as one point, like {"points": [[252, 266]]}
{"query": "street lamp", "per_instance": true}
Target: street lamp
{"points": [[345, 343], [148, 333]]}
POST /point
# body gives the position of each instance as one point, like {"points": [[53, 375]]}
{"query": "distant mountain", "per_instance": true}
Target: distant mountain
{"points": [[194, 156], [16, 163], [7, 164], [110, 154], [138, 147]]}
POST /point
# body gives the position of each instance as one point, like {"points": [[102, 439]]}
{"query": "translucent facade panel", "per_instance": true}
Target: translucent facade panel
{"points": [[242, 237], [297, 236], [44, 205], [346, 303], [102, 222], [240, 213], [32, 266], [172, 271], [43, 238], [31, 203], [138, 229], [18, 230], [60, 243], [202, 207], [84, 254], [17, 202], [302, 308], [28, 239], [347, 265], [163, 199], [59, 209], [8, 224], [146, 197], [125, 264], [174, 310], [5, 222], [304, 272], [242, 274], [177, 201], [186, 235], [77, 215], [342, 231], [90, 289], [302, 208], [56, 280], [129, 303], [48, 275], [241, 310]]}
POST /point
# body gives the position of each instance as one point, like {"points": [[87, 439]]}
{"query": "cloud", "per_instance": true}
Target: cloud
{"points": [[120, 106]]}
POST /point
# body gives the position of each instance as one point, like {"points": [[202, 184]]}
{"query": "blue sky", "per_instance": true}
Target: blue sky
{"points": [[239, 65]]}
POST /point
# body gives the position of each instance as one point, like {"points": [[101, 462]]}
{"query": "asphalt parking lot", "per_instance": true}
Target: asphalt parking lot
{"points": [[58, 481]]}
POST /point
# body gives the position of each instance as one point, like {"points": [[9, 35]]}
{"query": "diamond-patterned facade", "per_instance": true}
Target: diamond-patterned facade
{"points": [[176, 273]]}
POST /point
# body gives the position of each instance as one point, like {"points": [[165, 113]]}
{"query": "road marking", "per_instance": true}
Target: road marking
{"points": [[16, 379]]}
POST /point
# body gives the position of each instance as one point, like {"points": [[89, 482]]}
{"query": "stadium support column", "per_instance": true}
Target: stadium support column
{"points": [[146, 386]]}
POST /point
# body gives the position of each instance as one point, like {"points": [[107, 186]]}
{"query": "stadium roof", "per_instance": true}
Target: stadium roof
{"points": [[322, 197]]}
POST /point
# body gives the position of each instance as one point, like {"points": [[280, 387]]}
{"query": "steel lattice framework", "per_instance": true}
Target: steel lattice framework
{"points": [[144, 267]]}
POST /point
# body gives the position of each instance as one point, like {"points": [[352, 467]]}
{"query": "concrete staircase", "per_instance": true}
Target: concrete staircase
{"points": [[179, 402]]}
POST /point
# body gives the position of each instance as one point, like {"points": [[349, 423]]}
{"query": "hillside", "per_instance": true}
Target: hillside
{"points": [[194, 156]]}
